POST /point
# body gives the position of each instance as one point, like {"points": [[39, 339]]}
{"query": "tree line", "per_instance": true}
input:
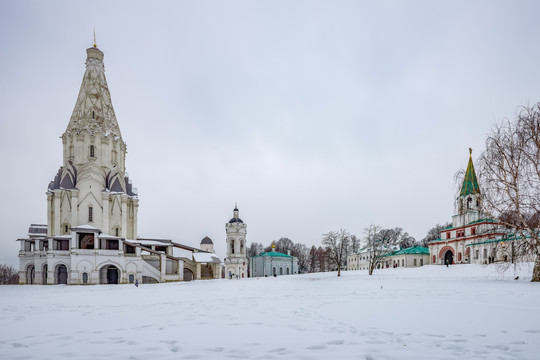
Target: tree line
{"points": [[335, 246], [8, 275]]}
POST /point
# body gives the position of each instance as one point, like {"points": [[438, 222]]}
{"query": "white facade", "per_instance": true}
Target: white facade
{"points": [[92, 187], [236, 261], [91, 231]]}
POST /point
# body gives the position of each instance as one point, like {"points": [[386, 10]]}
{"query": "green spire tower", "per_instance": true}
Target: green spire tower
{"points": [[470, 183]]}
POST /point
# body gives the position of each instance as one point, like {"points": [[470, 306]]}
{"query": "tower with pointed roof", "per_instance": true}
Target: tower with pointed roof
{"points": [[91, 231], [472, 236], [469, 201], [92, 186], [236, 262]]}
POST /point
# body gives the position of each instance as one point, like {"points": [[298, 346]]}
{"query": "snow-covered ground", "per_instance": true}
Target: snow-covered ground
{"points": [[433, 312]]}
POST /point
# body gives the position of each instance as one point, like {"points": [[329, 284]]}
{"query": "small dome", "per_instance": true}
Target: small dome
{"points": [[233, 220], [206, 240]]}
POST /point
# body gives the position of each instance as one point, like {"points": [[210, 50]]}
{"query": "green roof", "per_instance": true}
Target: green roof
{"points": [[413, 250], [470, 183], [274, 254], [418, 250]]}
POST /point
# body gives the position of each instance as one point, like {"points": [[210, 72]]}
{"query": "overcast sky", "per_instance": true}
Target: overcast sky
{"points": [[312, 116]]}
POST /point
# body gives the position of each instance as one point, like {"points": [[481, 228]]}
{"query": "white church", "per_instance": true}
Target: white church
{"points": [[91, 231]]}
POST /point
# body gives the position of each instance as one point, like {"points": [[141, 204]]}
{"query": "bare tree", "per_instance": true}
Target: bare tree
{"points": [[510, 179], [302, 253], [313, 264], [337, 243], [378, 244], [433, 233], [321, 259], [254, 249], [8, 275], [355, 244]]}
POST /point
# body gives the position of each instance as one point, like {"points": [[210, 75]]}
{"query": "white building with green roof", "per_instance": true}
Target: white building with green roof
{"points": [[411, 257], [273, 263]]}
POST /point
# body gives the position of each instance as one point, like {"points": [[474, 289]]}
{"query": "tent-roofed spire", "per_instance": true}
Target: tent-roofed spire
{"points": [[470, 183], [93, 110]]}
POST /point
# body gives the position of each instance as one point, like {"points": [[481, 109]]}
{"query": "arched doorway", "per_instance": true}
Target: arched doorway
{"points": [[448, 257], [188, 275], [61, 274], [109, 274], [30, 274]]}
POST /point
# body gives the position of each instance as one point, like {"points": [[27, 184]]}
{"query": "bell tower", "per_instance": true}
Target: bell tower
{"points": [[469, 201], [236, 260]]}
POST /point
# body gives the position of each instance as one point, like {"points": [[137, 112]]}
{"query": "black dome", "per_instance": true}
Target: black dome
{"points": [[206, 240], [233, 220]]}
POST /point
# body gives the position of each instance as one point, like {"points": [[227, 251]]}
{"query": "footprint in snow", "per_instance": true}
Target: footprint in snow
{"points": [[498, 347], [316, 347], [335, 342]]}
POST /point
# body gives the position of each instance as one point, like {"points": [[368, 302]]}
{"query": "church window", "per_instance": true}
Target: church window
{"points": [[241, 247], [473, 231], [232, 246], [115, 231], [469, 200], [66, 228], [402, 262], [93, 115], [280, 271], [459, 256], [92, 151], [414, 262], [85, 278], [131, 278], [485, 253], [476, 254], [421, 262], [90, 214]]}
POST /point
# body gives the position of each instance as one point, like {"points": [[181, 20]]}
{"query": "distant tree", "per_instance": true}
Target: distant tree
{"points": [[302, 253], [355, 244], [398, 237], [510, 179], [378, 244], [321, 259], [8, 275], [313, 261], [433, 233], [282, 245], [337, 243], [254, 249]]}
